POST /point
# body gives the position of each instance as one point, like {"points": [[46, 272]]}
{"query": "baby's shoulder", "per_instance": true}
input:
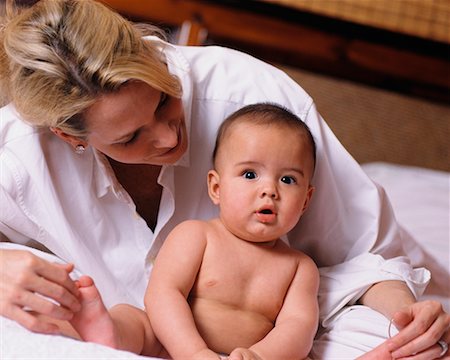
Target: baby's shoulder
{"points": [[307, 267], [189, 234], [195, 227], [303, 259], [190, 226]]}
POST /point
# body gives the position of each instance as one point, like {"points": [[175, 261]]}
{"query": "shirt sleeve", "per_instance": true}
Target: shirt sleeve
{"points": [[350, 229], [16, 225], [343, 284]]}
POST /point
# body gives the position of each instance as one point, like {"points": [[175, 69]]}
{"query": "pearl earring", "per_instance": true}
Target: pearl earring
{"points": [[80, 149]]}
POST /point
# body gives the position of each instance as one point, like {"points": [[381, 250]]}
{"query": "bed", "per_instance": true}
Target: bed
{"points": [[420, 198]]}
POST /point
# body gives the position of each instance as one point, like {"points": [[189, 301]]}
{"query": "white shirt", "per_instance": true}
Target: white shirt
{"points": [[74, 205]]}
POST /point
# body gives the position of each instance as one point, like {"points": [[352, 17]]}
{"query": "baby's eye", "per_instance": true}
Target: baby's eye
{"points": [[248, 174], [288, 180]]}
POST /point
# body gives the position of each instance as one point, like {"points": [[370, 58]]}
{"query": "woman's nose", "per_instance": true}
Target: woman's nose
{"points": [[165, 135]]}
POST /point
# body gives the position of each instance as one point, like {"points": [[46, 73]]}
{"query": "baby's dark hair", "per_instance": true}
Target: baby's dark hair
{"points": [[269, 114]]}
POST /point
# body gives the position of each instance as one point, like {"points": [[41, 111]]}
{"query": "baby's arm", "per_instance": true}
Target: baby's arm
{"points": [[172, 278], [297, 321]]}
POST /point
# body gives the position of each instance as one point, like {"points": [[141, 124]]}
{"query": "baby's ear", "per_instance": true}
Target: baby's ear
{"points": [[308, 198], [213, 186]]}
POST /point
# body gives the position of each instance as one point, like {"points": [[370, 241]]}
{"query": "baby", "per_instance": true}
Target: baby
{"points": [[231, 285]]}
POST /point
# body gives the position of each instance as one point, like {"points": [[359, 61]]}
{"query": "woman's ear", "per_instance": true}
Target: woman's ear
{"points": [[70, 139], [213, 186]]}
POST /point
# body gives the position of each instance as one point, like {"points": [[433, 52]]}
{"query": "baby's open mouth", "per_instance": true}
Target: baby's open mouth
{"points": [[266, 216], [265, 211]]}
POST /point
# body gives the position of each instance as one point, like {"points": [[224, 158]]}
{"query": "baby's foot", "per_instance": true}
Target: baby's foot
{"points": [[93, 321]]}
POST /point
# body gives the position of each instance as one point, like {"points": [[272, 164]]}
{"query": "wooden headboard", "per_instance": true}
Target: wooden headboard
{"points": [[305, 39], [384, 91]]}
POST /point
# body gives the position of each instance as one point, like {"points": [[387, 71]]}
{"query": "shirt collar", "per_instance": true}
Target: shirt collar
{"points": [[103, 174]]}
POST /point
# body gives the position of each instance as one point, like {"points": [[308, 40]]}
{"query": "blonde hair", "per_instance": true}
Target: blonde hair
{"points": [[58, 56]]}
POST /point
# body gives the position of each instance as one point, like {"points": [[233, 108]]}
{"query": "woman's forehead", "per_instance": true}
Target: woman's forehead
{"points": [[122, 103]]}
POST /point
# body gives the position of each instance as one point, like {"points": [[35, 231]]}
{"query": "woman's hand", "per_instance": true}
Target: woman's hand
{"points": [[421, 325], [28, 282]]}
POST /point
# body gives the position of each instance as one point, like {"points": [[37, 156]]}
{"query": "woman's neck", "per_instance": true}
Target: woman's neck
{"points": [[140, 181]]}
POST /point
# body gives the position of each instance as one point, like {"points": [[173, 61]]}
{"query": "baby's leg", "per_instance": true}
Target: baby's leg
{"points": [[135, 331], [93, 322], [123, 327]]}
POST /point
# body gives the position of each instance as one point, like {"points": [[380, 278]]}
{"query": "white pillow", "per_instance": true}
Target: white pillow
{"points": [[421, 201]]}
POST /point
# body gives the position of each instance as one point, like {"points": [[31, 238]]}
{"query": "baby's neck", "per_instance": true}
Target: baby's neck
{"points": [[267, 244], [264, 244]]}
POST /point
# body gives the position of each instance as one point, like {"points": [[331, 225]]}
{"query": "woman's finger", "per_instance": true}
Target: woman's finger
{"points": [[45, 306], [423, 315], [32, 283], [22, 292], [25, 267], [406, 336], [58, 273], [31, 321], [426, 340], [431, 353], [48, 279], [401, 319], [36, 302], [56, 292]]}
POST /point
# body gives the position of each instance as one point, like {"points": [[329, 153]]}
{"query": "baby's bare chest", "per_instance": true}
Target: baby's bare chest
{"points": [[247, 277]]}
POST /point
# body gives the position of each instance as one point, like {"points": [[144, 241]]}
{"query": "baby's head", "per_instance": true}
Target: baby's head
{"points": [[264, 161], [268, 115]]}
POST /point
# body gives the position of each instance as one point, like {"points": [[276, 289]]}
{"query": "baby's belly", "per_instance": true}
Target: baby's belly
{"points": [[225, 327]]}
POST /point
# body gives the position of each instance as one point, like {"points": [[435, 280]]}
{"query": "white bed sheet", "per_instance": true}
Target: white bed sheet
{"points": [[421, 200]]}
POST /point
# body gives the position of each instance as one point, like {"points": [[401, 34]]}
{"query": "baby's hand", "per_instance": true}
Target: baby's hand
{"points": [[205, 354], [243, 354]]}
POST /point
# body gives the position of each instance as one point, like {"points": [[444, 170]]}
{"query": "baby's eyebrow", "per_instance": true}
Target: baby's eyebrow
{"points": [[247, 163], [287, 169], [297, 170]]}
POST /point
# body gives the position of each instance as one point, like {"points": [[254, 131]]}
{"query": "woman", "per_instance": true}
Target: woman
{"points": [[105, 146]]}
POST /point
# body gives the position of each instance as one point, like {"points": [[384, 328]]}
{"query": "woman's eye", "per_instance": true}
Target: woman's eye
{"points": [[288, 180], [130, 140], [163, 99], [248, 174]]}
